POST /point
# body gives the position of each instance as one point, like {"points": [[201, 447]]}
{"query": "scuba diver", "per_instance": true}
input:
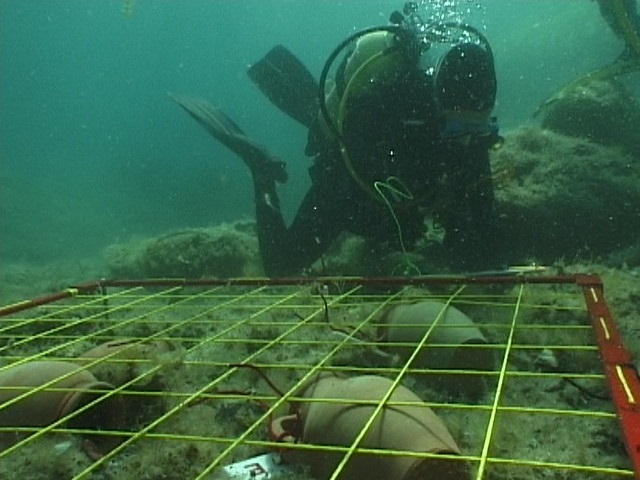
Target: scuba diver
{"points": [[399, 136], [623, 19]]}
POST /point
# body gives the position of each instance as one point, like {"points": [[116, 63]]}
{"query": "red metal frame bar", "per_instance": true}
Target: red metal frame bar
{"points": [[622, 374], [100, 285], [36, 302]]}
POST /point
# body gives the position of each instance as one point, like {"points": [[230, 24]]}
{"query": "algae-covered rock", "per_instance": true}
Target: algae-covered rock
{"points": [[223, 251], [562, 197], [602, 111]]}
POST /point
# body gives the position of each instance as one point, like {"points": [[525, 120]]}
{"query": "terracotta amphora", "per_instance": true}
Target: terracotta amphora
{"points": [[337, 411], [71, 387], [454, 343]]}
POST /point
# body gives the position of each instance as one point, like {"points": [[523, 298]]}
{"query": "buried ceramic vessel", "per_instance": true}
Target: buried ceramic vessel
{"points": [[346, 406], [119, 361], [454, 342], [68, 387]]}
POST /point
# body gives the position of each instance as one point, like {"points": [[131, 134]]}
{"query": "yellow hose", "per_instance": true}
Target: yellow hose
{"points": [[603, 73], [627, 28]]}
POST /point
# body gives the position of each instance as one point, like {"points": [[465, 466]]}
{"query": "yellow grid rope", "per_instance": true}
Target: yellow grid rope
{"points": [[496, 400], [136, 298]]}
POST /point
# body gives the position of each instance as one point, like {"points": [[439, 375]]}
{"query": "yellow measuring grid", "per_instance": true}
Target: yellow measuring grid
{"points": [[174, 381]]}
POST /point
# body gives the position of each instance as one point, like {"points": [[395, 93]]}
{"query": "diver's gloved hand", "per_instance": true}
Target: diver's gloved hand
{"points": [[264, 166]]}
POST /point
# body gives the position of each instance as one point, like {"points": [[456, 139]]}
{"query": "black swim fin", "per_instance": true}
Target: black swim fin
{"points": [[290, 86], [264, 166]]}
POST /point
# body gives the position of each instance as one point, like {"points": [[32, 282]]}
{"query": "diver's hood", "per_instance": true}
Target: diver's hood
{"points": [[465, 79]]}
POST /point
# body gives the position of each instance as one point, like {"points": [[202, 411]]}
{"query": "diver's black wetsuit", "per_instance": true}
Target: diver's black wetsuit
{"points": [[394, 132]]}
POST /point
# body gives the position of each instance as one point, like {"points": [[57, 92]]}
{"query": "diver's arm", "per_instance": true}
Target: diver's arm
{"points": [[471, 239]]}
